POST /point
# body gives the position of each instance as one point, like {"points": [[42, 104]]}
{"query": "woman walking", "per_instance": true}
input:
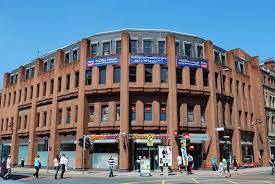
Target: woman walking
{"points": [[56, 166], [37, 165], [235, 163]]}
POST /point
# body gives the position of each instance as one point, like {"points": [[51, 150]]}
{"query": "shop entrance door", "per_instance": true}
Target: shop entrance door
{"points": [[141, 150], [196, 151]]}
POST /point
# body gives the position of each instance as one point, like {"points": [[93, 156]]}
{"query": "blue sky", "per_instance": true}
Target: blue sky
{"points": [[28, 26]]}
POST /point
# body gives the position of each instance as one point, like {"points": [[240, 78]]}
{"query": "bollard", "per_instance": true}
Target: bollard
{"points": [[165, 170]]}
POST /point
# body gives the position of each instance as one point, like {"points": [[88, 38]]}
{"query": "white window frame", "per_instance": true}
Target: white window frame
{"points": [[160, 40], [177, 41], [223, 54], [196, 50], [77, 56], [52, 58], [106, 41], [97, 44], [183, 46], [47, 68], [136, 39], [214, 50], [147, 39], [69, 56], [118, 39]]}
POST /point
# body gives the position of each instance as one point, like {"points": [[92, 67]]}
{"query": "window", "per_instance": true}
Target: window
{"points": [[2, 124], [76, 113], [26, 92], [231, 116], [177, 47], [237, 87], [148, 73], [51, 86], [118, 46], [104, 113], [205, 78], [7, 124], [163, 112], [67, 57], [93, 49], [25, 121], [59, 84], [190, 113], [116, 77], [76, 80], [31, 93], [91, 113], [240, 118], [223, 59], [32, 71], [187, 49], [59, 116], [241, 68], [44, 118], [231, 83], [245, 119], [68, 120], [252, 117], [216, 79], [45, 66], [106, 48], [75, 54], [244, 90], [133, 46], [217, 57], [193, 76], [9, 101], [161, 47], [19, 123], [147, 112], [133, 112], [147, 46], [202, 114], [132, 73], [20, 93], [88, 80], [249, 91], [117, 112], [102, 75], [27, 73], [51, 64], [68, 81], [199, 51], [37, 90], [164, 74], [14, 97], [179, 75], [44, 88]]}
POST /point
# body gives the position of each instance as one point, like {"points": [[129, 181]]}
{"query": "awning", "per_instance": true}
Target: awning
{"points": [[246, 143], [198, 138], [105, 141], [144, 141]]}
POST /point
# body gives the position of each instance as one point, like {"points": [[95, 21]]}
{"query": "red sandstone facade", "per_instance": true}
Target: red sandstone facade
{"points": [[23, 104]]}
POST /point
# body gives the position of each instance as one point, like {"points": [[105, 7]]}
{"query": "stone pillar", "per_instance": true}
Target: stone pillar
{"points": [[54, 141], [32, 121], [124, 155], [82, 125], [199, 79], [172, 97]]}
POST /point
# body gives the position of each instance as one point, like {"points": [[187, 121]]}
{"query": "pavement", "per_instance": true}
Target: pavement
{"points": [[242, 176]]}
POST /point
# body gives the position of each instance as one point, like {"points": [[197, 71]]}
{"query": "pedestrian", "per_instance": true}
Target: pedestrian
{"points": [[63, 162], [157, 161], [22, 164], [214, 163], [138, 163], [179, 160], [56, 166], [66, 163], [8, 168], [111, 163], [235, 163], [220, 167], [272, 163], [37, 165], [190, 164], [224, 165]]}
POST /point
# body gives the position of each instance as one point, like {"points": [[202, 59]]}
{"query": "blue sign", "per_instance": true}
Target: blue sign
{"points": [[190, 62], [138, 59], [103, 61]]}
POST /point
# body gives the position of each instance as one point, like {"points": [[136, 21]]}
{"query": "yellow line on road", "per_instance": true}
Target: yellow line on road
{"points": [[163, 182], [195, 180], [231, 181]]}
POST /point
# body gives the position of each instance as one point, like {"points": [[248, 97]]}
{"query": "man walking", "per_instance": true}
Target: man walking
{"points": [[190, 164], [37, 165], [63, 161], [179, 160], [8, 167], [111, 163], [272, 163]]}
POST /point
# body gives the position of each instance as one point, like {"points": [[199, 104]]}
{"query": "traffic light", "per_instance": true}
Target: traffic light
{"points": [[81, 142], [88, 143], [187, 138]]}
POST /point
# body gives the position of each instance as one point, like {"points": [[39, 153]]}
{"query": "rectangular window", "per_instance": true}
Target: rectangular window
{"points": [[132, 73], [37, 119], [20, 94], [19, 123], [26, 92], [245, 119], [76, 80], [68, 119], [7, 124], [240, 118], [67, 58], [190, 113], [106, 48], [252, 118], [102, 75], [237, 87], [192, 75], [37, 90], [59, 116], [216, 79], [51, 64], [148, 73], [133, 112], [231, 83], [116, 76], [244, 90], [223, 59], [45, 66], [117, 112], [59, 84], [177, 47], [88, 80], [237, 66], [2, 125], [164, 74], [44, 118], [68, 81], [44, 88], [14, 97], [231, 116], [249, 91], [147, 46], [202, 114], [161, 47], [76, 113], [188, 49], [93, 49], [241, 68], [31, 92], [27, 73], [199, 51], [25, 121], [133, 46], [163, 112], [51, 86], [9, 101], [179, 75], [104, 113], [118, 46], [75, 55], [205, 78], [32, 70], [217, 57], [147, 112], [91, 113]]}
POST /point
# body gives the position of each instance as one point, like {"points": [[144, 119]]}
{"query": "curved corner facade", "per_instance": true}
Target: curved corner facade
{"points": [[121, 86]]}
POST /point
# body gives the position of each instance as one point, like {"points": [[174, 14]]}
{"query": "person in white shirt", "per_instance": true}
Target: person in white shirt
{"points": [[190, 164], [63, 162], [56, 166], [179, 161], [8, 167]]}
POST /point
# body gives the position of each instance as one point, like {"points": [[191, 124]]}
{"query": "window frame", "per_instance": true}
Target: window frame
{"points": [[97, 47], [77, 54], [196, 50], [164, 49], [134, 39], [152, 45], [69, 59], [102, 47], [191, 48], [117, 40]]}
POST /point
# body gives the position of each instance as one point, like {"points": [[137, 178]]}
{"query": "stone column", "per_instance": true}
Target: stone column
{"points": [[124, 155], [172, 97]]}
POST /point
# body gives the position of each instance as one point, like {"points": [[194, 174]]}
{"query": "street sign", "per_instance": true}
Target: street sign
{"points": [[150, 140], [145, 167], [183, 143]]}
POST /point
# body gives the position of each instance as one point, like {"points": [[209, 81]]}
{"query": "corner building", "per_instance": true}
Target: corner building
{"points": [[118, 87]]}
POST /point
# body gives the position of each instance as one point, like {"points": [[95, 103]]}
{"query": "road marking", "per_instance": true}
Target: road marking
{"points": [[231, 181], [163, 182], [267, 182], [195, 180]]}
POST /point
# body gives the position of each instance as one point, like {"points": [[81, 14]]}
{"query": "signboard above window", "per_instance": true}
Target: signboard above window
{"points": [[196, 63], [138, 59], [103, 61]]}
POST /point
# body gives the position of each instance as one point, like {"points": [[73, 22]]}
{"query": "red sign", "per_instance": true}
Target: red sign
{"points": [[186, 135]]}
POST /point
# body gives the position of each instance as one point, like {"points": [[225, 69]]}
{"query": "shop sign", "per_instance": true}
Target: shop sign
{"points": [[144, 136], [191, 62], [145, 167], [102, 137], [103, 61], [150, 140], [165, 155], [139, 59]]}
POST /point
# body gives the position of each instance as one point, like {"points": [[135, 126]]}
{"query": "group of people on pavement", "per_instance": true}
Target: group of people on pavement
{"points": [[189, 166]]}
